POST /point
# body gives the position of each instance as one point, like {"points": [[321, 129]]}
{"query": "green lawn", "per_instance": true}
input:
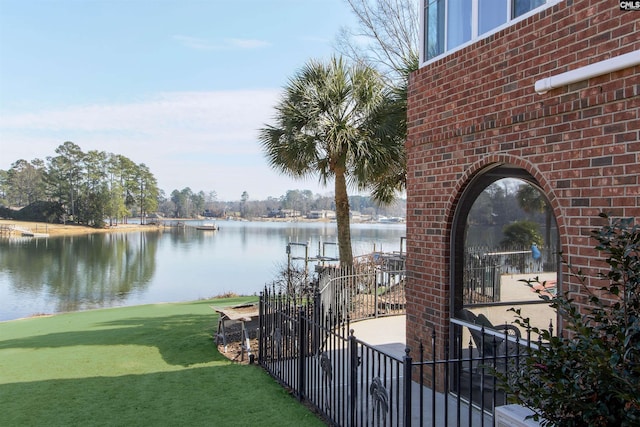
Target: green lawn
{"points": [[134, 366]]}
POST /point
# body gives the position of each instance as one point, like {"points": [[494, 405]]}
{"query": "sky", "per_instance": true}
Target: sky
{"points": [[182, 86]]}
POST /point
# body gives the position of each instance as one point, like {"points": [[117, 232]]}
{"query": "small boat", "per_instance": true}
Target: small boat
{"points": [[207, 227]]}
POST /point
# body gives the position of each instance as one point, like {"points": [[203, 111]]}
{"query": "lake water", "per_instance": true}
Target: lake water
{"points": [[71, 273]]}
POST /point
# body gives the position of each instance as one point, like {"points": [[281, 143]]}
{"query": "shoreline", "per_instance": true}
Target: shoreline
{"points": [[74, 230], [53, 230]]}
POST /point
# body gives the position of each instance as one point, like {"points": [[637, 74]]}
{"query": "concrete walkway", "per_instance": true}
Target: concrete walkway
{"points": [[387, 334]]}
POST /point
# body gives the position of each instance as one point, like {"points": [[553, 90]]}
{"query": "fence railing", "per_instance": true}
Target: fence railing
{"points": [[310, 350], [362, 293], [484, 267]]}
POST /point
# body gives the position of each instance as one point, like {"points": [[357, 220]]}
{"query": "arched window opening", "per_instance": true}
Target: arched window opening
{"points": [[510, 237], [504, 234]]}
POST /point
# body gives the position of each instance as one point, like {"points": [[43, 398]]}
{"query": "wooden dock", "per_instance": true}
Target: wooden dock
{"points": [[8, 230]]}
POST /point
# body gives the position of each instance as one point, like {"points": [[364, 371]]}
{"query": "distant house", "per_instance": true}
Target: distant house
{"points": [[542, 93], [390, 220], [322, 214], [284, 213]]}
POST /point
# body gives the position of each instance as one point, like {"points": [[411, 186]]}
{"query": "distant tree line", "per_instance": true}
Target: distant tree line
{"points": [[506, 201], [497, 205], [188, 204], [78, 187], [96, 188], [517, 208]]}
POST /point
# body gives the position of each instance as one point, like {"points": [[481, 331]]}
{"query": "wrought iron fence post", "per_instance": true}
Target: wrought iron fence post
{"points": [[317, 311], [353, 376], [302, 353], [261, 329], [407, 362], [375, 295]]}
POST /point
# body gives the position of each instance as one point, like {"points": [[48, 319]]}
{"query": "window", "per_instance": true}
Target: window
{"points": [[434, 28], [458, 23], [520, 7], [505, 233], [491, 14], [449, 24]]}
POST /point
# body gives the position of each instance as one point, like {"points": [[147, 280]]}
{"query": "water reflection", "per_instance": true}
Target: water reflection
{"points": [[103, 270], [510, 236], [79, 272]]}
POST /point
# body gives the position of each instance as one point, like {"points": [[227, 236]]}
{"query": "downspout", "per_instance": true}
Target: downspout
{"points": [[610, 65]]}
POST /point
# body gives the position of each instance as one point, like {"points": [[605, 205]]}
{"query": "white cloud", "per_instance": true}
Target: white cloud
{"points": [[226, 116], [203, 140], [247, 43], [225, 44]]}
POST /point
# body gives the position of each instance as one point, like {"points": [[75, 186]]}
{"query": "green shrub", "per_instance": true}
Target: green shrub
{"points": [[43, 211], [521, 234], [590, 374], [6, 213]]}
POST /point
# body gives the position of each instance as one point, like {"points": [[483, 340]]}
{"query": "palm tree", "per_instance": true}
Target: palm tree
{"points": [[333, 122], [393, 178]]}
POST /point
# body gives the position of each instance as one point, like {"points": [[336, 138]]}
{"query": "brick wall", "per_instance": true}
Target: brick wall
{"points": [[477, 107]]}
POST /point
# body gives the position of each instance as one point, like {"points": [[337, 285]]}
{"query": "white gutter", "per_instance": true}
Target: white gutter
{"points": [[584, 73]]}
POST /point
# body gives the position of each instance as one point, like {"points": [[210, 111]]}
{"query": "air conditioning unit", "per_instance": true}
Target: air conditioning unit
{"points": [[514, 416]]}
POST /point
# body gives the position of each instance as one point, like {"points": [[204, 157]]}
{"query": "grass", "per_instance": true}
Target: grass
{"points": [[134, 366]]}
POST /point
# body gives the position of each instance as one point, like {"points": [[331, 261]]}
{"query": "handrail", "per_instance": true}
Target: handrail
{"points": [[489, 331], [349, 276]]}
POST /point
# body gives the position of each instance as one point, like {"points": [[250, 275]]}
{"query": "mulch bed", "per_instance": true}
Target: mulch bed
{"points": [[234, 351]]}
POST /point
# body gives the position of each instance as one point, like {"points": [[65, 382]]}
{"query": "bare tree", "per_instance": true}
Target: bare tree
{"points": [[387, 39], [387, 36]]}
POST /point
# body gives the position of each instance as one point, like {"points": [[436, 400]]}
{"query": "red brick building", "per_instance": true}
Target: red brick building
{"points": [[474, 117]]}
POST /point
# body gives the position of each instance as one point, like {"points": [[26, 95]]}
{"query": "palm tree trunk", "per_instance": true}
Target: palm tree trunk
{"points": [[342, 219]]}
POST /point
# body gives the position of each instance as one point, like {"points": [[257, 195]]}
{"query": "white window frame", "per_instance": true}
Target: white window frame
{"points": [[474, 26]]}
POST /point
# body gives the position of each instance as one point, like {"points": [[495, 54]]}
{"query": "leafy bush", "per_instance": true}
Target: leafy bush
{"points": [[521, 233], [590, 374], [43, 211], [6, 213]]}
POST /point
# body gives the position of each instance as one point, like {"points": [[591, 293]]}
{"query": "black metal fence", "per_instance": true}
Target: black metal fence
{"points": [[365, 291], [351, 383], [484, 266]]}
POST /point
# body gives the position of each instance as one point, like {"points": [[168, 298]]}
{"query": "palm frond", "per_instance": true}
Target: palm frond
{"points": [[337, 116]]}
